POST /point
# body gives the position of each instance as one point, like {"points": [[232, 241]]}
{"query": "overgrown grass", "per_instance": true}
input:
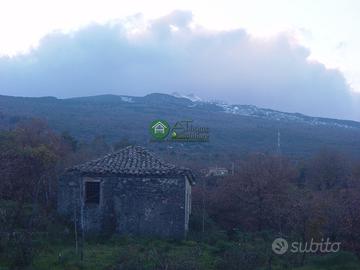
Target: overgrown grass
{"points": [[336, 261], [96, 256], [154, 254], [127, 253]]}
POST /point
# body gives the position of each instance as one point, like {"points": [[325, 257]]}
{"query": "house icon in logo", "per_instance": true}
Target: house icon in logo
{"points": [[159, 128]]}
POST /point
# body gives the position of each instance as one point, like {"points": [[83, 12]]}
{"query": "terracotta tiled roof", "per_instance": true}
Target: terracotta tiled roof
{"points": [[132, 160]]}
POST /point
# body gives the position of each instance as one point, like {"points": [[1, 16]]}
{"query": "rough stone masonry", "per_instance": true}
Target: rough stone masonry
{"points": [[128, 192]]}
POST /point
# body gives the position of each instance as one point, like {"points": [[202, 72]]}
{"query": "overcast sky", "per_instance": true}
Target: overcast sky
{"points": [[298, 56]]}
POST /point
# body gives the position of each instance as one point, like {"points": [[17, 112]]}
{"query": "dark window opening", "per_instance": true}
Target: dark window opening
{"points": [[92, 192]]}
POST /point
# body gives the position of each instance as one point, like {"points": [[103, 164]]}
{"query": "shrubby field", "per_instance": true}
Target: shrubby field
{"points": [[234, 218]]}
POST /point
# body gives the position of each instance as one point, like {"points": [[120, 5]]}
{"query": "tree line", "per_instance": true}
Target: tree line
{"points": [[317, 198], [268, 196]]}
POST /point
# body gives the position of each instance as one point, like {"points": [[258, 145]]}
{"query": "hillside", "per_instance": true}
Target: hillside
{"points": [[234, 129]]}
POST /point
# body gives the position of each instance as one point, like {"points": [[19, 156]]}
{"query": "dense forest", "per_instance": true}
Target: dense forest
{"points": [[234, 221]]}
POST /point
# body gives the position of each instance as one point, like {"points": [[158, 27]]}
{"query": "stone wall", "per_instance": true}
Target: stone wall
{"points": [[139, 206]]}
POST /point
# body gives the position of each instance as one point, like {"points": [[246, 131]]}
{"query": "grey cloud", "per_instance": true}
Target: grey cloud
{"points": [[227, 65]]}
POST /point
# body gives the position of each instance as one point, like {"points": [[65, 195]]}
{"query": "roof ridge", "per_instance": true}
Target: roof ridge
{"points": [[130, 158]]}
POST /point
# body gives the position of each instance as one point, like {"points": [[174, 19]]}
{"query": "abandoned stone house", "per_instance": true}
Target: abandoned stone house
{"points": [[128, 192]]}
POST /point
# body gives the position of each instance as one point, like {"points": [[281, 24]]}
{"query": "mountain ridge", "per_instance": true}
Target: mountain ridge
{"points": [[234, 128]]}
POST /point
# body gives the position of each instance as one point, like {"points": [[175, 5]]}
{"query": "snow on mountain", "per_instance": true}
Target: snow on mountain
{"points": [[127, 99], [254, 111], [250, 110], [191, 97]]}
